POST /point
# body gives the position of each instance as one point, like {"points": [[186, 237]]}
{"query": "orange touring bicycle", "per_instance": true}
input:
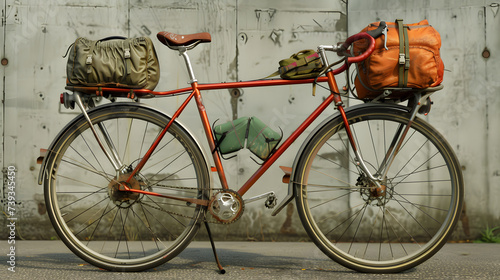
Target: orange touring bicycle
{"points": [[127, 186]]}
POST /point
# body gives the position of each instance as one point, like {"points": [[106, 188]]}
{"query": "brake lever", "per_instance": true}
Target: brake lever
{"points": [[384, 32], [381, 30]]}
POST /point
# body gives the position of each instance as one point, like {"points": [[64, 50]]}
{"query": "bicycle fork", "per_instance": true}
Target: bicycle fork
{"points": [[392, 151]]}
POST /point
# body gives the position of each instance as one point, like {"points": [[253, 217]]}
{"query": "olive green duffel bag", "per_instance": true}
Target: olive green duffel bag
{"points": [[113, 62]]}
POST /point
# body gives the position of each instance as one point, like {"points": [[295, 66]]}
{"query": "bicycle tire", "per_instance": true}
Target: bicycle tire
{"points": [[116, 231], [360, 228]]}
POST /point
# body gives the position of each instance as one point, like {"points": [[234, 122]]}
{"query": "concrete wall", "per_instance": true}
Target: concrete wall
{"points": [[248, 39]]}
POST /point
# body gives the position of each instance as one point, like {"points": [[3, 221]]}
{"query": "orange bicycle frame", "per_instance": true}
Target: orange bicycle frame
{"points": [[195, 92]]}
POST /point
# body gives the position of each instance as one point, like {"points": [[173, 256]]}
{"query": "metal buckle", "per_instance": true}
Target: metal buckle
{"points": [[402, 58]]}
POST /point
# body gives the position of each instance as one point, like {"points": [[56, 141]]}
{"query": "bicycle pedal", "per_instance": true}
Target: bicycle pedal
{"points": [[271, 201]]}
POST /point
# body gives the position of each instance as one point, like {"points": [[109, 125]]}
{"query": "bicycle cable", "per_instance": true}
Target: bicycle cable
{"points": [[315, 83]]}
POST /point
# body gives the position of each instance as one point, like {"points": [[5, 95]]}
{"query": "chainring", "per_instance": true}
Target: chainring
{"points": [[226, 206]]}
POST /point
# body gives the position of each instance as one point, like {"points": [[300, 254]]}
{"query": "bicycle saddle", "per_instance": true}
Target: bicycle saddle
{"points": [[174, 41]]}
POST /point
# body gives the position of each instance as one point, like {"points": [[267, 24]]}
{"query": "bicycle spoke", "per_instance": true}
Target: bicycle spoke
{"points": [[92, 169], [330, 200], [351, 218], [339, 164], [143, 139], [92, 152], [88, 222], [82, 198], [161, 223], [129, 131], [168, 166], [335, 178], [81, 165], [357, 228], [147, 223], [78, 181]]}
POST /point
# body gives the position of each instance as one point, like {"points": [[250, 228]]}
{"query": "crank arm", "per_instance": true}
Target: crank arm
{"points": [[255, 198], [186, 199]]}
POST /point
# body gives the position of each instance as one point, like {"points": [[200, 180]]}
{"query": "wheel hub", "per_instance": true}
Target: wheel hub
{"points": [[120, 197], [373, 194], [226, 206]]}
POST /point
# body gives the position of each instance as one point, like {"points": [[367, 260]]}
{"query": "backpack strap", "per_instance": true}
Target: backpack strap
{"points": [[88, 60], [404, 53], [126, 55]]}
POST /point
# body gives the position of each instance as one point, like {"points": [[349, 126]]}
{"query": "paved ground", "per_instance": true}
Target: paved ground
{"points": [[247, 260]]}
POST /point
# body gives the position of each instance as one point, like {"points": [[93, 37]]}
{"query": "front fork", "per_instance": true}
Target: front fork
{"points": [[339, 104], [377, 179], [416, 102]]}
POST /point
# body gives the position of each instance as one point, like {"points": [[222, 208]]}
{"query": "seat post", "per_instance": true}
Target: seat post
{"points": [[183, 53]]}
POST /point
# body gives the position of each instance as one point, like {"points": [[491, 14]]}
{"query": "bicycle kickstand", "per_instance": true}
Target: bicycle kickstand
{"points": [[221, 269]]}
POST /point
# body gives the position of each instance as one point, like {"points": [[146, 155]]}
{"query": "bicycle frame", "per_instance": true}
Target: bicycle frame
{"points": [[195, 92]]}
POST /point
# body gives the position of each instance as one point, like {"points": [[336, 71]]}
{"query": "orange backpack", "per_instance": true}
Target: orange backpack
{"points": [[413, 62]]}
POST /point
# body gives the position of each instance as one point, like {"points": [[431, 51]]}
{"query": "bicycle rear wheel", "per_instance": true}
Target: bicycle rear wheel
{"points": [[118, 230], [369, 230]]}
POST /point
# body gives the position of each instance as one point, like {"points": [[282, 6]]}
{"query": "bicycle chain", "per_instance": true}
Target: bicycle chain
{"points": [[204, 219]]}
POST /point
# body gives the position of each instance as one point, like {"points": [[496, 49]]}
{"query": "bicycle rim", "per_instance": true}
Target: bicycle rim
{"points": [[370, 230], [125, 231]]}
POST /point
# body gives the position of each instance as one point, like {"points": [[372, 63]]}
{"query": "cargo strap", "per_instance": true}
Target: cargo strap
{"points": [[404, 54]]}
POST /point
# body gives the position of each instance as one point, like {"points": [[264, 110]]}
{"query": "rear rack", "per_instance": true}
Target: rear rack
{"points": [[403, 94], [108, 92]]}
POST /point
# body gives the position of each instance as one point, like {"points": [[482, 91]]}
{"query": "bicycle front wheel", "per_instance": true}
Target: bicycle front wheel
{"points": [[118, 230], [378, 230]]}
